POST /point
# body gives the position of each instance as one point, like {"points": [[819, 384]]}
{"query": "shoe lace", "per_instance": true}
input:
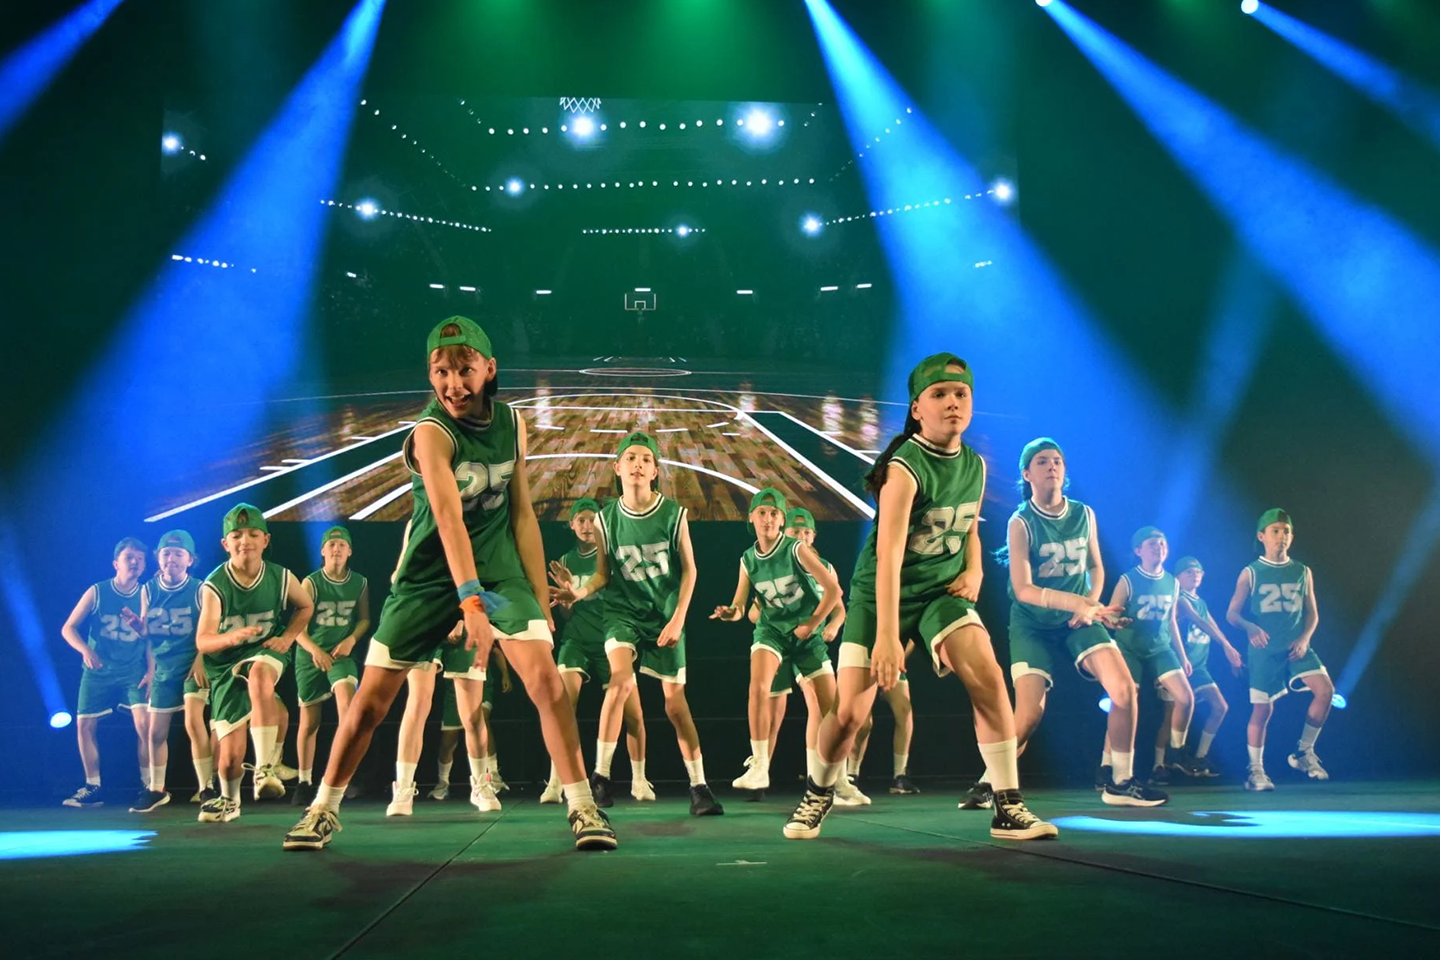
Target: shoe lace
{"points": [[1018, 812], [811, 809]]}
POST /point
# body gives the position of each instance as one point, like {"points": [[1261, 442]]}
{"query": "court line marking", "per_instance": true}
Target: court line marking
{"points": [[674, 430], [366, 512], [825, 478], [323, 488], [860, 454], [744, 373], [747, 487], [530, 403], [550, 407], [601, 430]]}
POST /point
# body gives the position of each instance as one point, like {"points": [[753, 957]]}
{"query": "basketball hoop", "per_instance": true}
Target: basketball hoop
{"points": [[580, 104]]}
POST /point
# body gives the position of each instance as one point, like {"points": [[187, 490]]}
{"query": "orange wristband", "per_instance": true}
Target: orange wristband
{"points": [[473, 603]]}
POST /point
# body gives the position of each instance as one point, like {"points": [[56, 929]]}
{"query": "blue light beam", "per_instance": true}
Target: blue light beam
{"points": [[24, 615], [28, 72], [30, 844]]}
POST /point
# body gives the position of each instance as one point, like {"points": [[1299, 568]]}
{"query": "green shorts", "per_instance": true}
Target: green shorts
{"points": [[1150, 663], [585, 656], [1273, 674], [1034, 649], [193, 690], [414, 626], [664, 663], [230, 705], [927, 622], [312, 685], [1199, 655], [801, 659], [101, 691], [167, 687]]}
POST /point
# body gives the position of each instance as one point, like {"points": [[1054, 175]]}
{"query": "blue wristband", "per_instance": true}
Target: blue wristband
{"points": [[470, 588]]}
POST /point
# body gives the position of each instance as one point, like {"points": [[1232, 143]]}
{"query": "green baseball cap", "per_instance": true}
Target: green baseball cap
{"points": [[470, 335], [1274, 515], [1034, 447], [1187, 563], [932, 370], [768, 497], [336, 532], [244, 516], [639, 439], [128, 543], [177, 538], [583, 504], [1143, 534], [800, 517]]}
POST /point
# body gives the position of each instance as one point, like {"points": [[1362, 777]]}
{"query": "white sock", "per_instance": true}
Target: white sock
{"points": [[604, 754], [277, 755], [157, 778], [444, 771], [1257, 756], [230, 789], [1203, 747], [264, 740], [92, 781], [696, 769], [1177, 738], [902, 763], [555, 776], [1003, 762], [760, 750], [852, 767], [1107, 759], [307, 774], [1159, 756], [204, 770], [1307, 738], [477, 769], [987, 777], [578, 795], [491, 763], [328, 797], [825, 772], [812, 757], [404, 773], [637, 771], [145, 776], [1122, 766]]}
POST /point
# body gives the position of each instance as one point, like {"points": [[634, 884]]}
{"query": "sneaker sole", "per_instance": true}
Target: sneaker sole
{"points": [[715, 811], [801, 833], [600, 842], [399, 813], [81, 806], [554, 800], [1269, 789], [1127, 801], [966, 805], [305, 844], [737, 785], [153, 807], [645, 799], [487, 808], [1038, 832]]}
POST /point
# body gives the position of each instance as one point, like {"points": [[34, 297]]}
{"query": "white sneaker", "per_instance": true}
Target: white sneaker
{"points": [[642, 790], [849, 795], [285, 773], [482, 795], [755, 777], [440, 791], [552, 793], [1307, 761], [267, 785], [500, 785], [1258, 781], [219, 810], [402, 800]]}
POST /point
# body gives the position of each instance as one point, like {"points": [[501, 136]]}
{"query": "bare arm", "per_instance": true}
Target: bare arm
{"points": [[736, 609], [208, 638], [896, 498], [1236, 613], [362, 624], [70, 629], [812, 564], [302, 606], [1022, 580], [1121, 594], [1094, 563], [431, 449], [601, 578], [527, 527], [306, 644], [1312, 619], [687, 585], [1173, 625]]}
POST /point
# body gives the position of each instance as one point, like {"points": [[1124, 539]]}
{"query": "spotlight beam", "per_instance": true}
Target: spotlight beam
{"points": [[28, 72]]}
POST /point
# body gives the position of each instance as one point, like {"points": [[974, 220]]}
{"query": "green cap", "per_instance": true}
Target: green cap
{"points": [[932, 370], [1143, 534], [583, 504], [1187, 563], [799, 517], [768, 497], [1274, 515], [639, 439], [244, 516], [129, 543], [1034, 447], [470, 335], [177, 538], [336, 532]]}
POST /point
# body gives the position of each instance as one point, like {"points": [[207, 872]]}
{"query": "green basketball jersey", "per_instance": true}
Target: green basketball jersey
{"points": [[483, 460], [115, 641], [337, 605], [587, 618], [170, 615], [643, 552], [950, 486], [1059, 557], [821, 593], [788, 595], [1277, 598], [1197, 641], [261, 603], [1148, 603]]}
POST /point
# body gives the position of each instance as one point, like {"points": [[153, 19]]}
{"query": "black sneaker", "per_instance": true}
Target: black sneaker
{"points": [[1104, 777], [979, 797], [600, 790], [1203, 767], [205, 794], [592, 829], [804, 823], [86, 797], [903, 786], [150, 800], [1183, 763], [303, 794], [313, 832], [754, 796], [703, 802], [1133, 793], [1160, 776], [1014, 821]]}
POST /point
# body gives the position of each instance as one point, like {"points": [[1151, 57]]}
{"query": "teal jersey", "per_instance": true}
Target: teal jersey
{"points": [[1277, 598], [587, 618], [643, 553], [788, 594], [1148, 603], [483, 459], [950, 487], [170, 616], [1059, 557], [117, 643], [821, 593], [1194, 636], [260, 603], [337, 606]]}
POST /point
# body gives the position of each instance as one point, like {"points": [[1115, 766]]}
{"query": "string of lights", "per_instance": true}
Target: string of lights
{"points": [[1002, 192], [864, 151], [369, 210], [680, 231], [206, 262]]}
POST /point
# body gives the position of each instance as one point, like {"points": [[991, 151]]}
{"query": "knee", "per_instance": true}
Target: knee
{"points": [[1220, 706], [676, 707], [1124, 695], [1185, 701], [623, 685], [1324, 688], [547, 687]]}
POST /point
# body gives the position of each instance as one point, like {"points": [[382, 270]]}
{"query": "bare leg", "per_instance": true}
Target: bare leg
{"points": [[904, 711], [622, 685], [1323, 690], [813, 711], [677, 708], [1108, 666], [777, 717], [305, 738], [1182, 707], [1030, 690], [634, 727], [419, 697], [378, 689], [763, 665], [536, 667], [140, 718], [856, 695], [89, 749]]}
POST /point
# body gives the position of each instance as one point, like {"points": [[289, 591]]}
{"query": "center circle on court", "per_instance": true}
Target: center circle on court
{"points": [[634, 372]]}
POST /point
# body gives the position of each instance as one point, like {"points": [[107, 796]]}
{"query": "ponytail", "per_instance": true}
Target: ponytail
{"points": [[875, 476]]}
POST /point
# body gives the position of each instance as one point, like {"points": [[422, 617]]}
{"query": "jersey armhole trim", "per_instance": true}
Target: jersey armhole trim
{"points": [[908, 469]]}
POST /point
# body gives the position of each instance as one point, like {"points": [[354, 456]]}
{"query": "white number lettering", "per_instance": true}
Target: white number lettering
{"points": [[1279, 597], [943, 529], [782, 592], [483, 484], [647, 561]]}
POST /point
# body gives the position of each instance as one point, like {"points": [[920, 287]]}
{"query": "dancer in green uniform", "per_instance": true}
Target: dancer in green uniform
{"points": [[1200, 629]]}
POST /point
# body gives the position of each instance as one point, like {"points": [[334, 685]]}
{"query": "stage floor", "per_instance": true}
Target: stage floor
{"points": [[908, 876]]}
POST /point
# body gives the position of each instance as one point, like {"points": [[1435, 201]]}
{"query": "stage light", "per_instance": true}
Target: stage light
{"points": [[514, 186], [828, 289], [811, 224], [28, 844], [171, 143], [1249, 6], [1105, 704], [759, 123], [745, 293], [367, 209], [1269, 824], [62, 719], [1042, 3], [682, 231], [1338, 701], [1003, 191]]}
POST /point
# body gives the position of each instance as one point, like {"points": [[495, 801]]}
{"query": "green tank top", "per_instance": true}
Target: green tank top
{"points": [[117, 644], [1059, 557], [261, 604], [821, 593], [788, 594], [587, 618], [170, 616], [949, 488], [1197, 641], [1277, 598], [1148, 604], [336, 607], [643, 552], [483, 460]]}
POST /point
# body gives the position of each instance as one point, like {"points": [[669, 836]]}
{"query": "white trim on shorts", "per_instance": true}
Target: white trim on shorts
{"points": [[87, 716], [757, 645], [203, 695], [1089, 650], [474, 673], [1290, 684], [270, 657], [678, 679], [378, 655], [827, 667], [223, 728], [534, 630], [164, 710], [1022, 668], [1260, 696], [861, 656]]}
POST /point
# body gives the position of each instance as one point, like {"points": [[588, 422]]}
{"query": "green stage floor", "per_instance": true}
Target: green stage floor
{"points": [[908, 876]]}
